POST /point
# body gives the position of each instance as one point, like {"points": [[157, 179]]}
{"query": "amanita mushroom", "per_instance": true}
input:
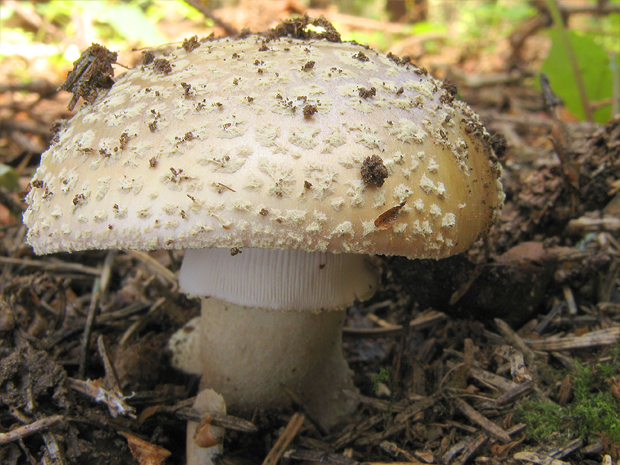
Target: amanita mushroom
{"points": [[304, 155]]}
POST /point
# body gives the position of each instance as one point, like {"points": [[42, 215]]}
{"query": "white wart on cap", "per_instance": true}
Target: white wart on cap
{"points": [[284, 143]]}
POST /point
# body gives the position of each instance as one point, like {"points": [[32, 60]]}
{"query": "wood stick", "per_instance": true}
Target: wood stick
{"points": [[28, 430], [283, 441], [595, 338], [481, 420], [514, 339], [421, 322]]}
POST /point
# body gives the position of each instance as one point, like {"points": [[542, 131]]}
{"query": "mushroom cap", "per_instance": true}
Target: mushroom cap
{"points": [[278, 143]]}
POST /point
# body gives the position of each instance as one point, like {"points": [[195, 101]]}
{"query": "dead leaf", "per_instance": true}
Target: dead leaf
{"points": [[145, 452], [501, 451], [389, 217]]}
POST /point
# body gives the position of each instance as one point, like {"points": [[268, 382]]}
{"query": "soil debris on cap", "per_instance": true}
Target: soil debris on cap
{"points": [[147, 57], [374, 171], [161, 65], [191, 44], [451, 92], [297, 28], [91, 72]]}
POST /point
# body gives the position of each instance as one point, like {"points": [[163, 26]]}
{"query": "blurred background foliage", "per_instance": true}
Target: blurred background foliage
{"points": [[43, 37]]}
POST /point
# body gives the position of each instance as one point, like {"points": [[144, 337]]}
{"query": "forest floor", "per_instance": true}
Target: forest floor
{"points": [[505, 354]]}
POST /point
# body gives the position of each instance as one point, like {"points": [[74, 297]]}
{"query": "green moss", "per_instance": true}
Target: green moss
{"points": [[543, 419], [596, 410], [592, 414], [384, 376]]}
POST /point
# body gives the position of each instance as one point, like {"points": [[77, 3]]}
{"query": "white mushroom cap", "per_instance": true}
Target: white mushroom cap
{"points": [[266, 143]]}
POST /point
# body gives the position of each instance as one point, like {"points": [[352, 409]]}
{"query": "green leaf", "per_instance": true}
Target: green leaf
{"points": [[131, 23], [594, 64], [9, 179]]}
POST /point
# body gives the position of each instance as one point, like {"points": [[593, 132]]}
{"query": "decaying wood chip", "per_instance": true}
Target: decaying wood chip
{"points": [[518, 369], [154, 266], [566, 390], [540, 459], [514, 393], [422, 321], [514, 339], [52, 265], [145, 452], [606, 336], [375, 403], [416, 408], [316, 456], [568, 449], [465, 447], [7, 200], [585, 224], [116, 403], [55, 452], [32, 428], [473, 445], [285, 439], [501, 451], [218, 419], [350, 436], [395, 451], [88, 326], [400, 422], [111, 377], [381, 435], [481, 420], [491, 379]]}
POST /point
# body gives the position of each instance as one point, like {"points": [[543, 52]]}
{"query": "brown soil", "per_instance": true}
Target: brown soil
{"points": [[82, 336]]}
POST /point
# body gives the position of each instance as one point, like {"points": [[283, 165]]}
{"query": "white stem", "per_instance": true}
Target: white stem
{"points": [[273, 323], [252, 356]]}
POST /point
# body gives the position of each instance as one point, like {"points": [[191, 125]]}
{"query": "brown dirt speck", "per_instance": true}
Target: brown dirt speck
{"points": [[308, 66], [297, 29], [310, 110], [162, 66], [190, 44], [374, 171], [367, 93]]}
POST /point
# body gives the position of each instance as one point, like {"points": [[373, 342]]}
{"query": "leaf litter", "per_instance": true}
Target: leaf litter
{"points": [[463, 340]]}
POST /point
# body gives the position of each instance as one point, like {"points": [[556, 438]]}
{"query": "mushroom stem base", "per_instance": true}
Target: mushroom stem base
{"points": [[253, 356]]}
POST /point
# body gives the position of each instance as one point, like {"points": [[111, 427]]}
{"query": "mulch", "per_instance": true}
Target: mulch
{"points": [[85, 377]]}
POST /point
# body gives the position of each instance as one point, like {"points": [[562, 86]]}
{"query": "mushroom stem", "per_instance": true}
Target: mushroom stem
{"points": [[272, 326], [252, 356]]}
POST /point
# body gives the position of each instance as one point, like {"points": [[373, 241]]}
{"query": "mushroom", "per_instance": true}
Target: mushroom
{"points": [[204, 440], [279, 164]]}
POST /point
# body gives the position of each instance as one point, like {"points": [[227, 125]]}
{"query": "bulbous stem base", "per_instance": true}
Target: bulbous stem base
{"points": [[253, 356]]}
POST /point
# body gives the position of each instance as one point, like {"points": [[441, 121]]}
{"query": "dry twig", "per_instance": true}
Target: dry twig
{"points": [[116, 403], [417, 324], [481, 420], [606, 336], [32, 428], [515, 340], [285, 439]]}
